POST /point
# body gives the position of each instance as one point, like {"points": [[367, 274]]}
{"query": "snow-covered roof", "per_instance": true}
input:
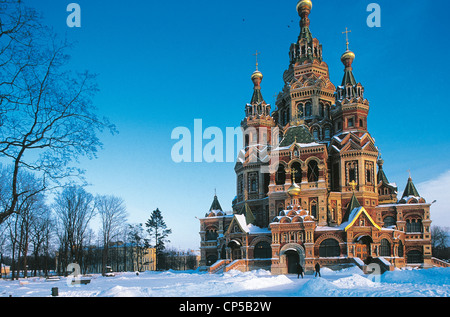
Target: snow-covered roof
{"points": [[293, 215], [249, 228]]}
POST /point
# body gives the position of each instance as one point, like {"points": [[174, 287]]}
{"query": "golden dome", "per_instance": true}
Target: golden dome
{"points": [[294, 190], [348, 55], [257, 74], [304, 4]]}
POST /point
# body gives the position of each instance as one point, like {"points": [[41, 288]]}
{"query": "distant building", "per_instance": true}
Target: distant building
{"points": [[4, 269], [310, 181], [122, 257]]}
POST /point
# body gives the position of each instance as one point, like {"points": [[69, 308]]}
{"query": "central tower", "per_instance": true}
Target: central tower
{"points": [[308, 93]]}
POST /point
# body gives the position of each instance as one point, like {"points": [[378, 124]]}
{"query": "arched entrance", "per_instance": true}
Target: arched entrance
{"points": [[362, 248], [291, 254], [235, 249]]}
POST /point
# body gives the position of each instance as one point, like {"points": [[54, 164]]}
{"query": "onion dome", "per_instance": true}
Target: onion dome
{"points": [[347, 58], [294, 190], [257, 75], [304, 5]]}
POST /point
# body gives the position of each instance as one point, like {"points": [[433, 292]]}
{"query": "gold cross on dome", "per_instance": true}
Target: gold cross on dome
{"points": [[294, 171], [256, 54], [346, 36], [353, 184]]}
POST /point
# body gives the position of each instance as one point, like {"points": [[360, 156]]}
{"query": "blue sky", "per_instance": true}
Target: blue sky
{"points": [[162, 64]]}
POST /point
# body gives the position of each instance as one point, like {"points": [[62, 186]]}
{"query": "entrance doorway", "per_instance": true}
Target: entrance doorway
{"points": [[362, 248], [235, 250], [290, 255], [292, 259]]}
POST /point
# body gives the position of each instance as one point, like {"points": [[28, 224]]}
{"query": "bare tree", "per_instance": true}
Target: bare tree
{"points": [[40, 238], [74, 209], [47, 118], [440, 242], [28, 211], [139, 245], [113, 215]]}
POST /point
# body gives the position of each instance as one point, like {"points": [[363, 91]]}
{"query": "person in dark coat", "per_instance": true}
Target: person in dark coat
{"points": [[299, 270], [317, 268]]}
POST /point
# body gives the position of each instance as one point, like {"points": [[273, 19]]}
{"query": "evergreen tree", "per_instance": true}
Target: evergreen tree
{"points": [[157, 229]]}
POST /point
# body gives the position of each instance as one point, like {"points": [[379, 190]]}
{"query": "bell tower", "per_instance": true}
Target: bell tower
{"points": [[353, 109], [353, 154], [252, 167]]}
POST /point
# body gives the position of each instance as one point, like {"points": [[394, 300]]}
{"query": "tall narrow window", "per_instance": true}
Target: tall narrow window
{"points": [[327, 133], [316, 134], [297, 172], [385, 248], [351, 169], [350, 122], [313, 171], [280, 177], [308, 110], [313, 208]]}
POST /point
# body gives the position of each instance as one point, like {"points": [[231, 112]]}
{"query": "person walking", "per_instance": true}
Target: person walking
{"points": [[317, 268], [299, 270]]}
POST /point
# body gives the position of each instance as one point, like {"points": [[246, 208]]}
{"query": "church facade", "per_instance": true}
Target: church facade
{"points": [[310, 185]]}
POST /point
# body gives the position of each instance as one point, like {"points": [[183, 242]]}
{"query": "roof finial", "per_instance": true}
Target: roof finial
{"points": [[256, 54], [348, 57], [353, 184], [346, 36]]}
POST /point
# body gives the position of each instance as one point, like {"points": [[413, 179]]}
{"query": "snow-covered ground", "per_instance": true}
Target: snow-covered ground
{"points": [[350, 282]]}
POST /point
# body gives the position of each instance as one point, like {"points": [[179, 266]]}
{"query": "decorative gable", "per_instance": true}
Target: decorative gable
{"points": [[359, 218]]}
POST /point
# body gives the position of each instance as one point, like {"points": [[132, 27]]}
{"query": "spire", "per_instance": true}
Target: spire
{"points": [[215, 206], [354, 203], [381, 176], [347, 59], [257, 78], [410, 189]]}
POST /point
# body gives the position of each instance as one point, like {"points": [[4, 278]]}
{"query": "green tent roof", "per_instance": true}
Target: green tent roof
{"points": [[257, 97], [215, 204], [354, 203], [410, 189], [349, 78]]}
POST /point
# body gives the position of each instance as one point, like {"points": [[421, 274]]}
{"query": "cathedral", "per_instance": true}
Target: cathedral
{"points": [[310, 185]]}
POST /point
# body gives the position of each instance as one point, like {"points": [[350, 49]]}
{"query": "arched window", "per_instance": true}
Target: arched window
{"points": [[313, 171], [327, 133], [313, 208], [280, 177], [300, 110], [329, 248], [414, 226], [316, 134], [389, 221], [385, 248], [414, 257], [308, 110], [400, 249], [211, 259], [211, 234], [298, 172], [263, 250]]}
